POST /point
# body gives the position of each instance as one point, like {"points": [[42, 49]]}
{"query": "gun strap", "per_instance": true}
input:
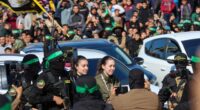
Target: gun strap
{"points": [[180, 87]]}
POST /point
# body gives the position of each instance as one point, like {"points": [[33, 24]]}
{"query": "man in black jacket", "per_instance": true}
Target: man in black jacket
{"points": [[50, 89], [175, 88], [25, 80]]}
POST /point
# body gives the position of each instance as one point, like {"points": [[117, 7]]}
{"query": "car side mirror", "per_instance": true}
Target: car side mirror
{"points": [[138, 60], [170, 59]]}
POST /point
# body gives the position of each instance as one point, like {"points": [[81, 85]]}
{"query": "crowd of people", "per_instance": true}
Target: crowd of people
{"points": [[125, 22]]}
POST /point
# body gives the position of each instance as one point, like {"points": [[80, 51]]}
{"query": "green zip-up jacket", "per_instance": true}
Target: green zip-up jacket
{"points": [[101, 79]]}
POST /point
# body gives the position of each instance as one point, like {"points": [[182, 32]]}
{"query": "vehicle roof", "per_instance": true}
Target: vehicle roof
{"points": [[181, 36], [89, 43], [11, 57]]}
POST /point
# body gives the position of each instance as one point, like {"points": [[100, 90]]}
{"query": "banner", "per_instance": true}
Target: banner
{"points": [[19, 6]]}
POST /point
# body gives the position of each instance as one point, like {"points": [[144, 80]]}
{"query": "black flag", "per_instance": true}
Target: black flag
{"points": [[19, 6]]}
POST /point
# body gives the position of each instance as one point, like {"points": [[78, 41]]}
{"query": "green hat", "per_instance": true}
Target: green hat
{"points": [[48, 37], [196, 23], [152, 29], [16, 31], [187, 22], [71, 32], [180, 25], [108, 29]]}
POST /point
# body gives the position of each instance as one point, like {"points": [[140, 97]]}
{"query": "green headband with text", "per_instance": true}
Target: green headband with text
{"points": [[195, 59], [82, 90], [53, 56], [35, 60]]}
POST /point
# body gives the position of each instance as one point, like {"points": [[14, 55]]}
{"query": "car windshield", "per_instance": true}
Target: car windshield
{"points": [[122, 56], [191, 46]]}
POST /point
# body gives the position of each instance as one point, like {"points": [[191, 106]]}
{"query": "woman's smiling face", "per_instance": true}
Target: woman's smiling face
{"points": [[82, 67], [109, 67]]}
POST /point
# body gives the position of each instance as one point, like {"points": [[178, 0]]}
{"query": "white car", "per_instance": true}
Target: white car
{"points": [[11, 58], [156, 50], [9, 62]]}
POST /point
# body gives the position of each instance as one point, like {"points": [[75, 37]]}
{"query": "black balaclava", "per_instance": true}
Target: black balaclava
{"points": [[55, 61], [31, 66], [181, 62], [136, 79]]}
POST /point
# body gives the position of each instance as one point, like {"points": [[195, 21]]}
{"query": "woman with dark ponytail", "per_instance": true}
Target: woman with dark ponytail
{"points": [[79, 69], [104, 77]]}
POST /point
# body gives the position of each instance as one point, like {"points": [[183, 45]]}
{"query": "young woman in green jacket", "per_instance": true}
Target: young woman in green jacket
{"points": [[105, 78]]}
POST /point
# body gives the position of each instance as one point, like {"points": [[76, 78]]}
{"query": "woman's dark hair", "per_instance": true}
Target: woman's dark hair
{"points": [[103, 62], [76, 62]]}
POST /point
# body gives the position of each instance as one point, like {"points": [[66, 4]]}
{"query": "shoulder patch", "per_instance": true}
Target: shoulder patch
{"points": [[41, 84], [67, 81]]}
